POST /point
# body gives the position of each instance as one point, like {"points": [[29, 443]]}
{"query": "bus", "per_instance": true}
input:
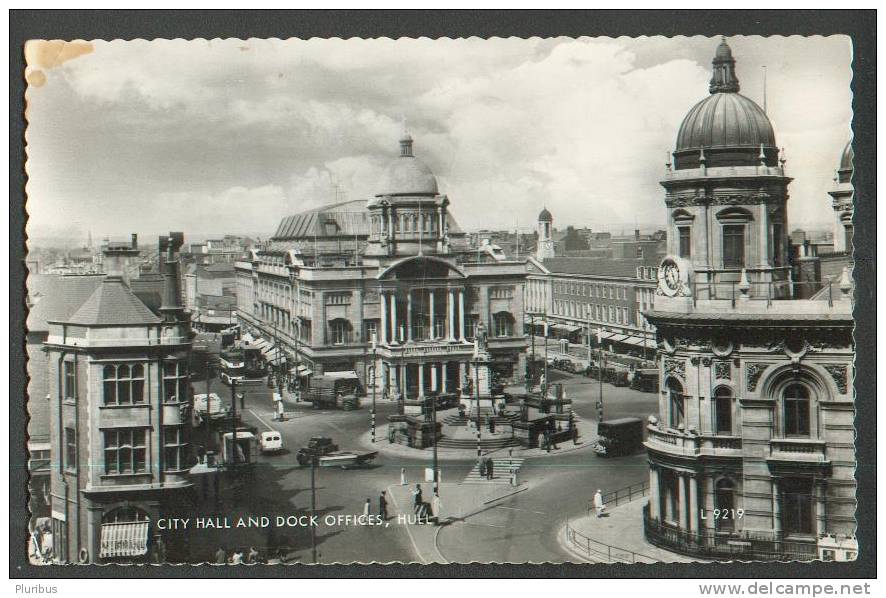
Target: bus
{"points": [[232, 366]]}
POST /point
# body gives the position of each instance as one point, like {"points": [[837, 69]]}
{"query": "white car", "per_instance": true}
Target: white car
{"points": [[271, 442]]}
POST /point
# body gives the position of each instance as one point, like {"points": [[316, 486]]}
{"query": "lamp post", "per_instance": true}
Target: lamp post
{"points": [[314, 461], [544, 387], [602, 364]]}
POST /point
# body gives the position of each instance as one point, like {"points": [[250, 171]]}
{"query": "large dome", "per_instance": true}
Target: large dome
{"points": [[407, 175], [725, 120], [726, 128], [847, 164]]}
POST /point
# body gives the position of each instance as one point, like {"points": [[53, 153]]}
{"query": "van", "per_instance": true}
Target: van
{"points": [[271, 442]]}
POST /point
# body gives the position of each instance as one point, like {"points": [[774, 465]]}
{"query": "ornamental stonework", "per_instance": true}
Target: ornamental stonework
{"points": [[840, 374], [754, 371], [723, 370], [675, 367]]}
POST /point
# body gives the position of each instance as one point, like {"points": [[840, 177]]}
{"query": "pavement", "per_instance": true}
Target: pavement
{"points": [[615, 537], [458, 504]]}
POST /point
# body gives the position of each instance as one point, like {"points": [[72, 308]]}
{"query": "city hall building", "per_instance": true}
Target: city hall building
{"points": [[397, 269], [752, 454]]}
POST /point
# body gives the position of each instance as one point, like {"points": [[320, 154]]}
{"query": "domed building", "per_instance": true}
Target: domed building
{"points": [[751, 455], [387, 286], [843, 200]]}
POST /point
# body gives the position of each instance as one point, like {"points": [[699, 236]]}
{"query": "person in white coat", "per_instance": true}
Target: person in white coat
{"points": [[367, 508], [403, 481], [598, 503]]}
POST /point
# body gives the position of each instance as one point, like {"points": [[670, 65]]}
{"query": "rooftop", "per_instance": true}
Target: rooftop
{"points": [[113, 304]]}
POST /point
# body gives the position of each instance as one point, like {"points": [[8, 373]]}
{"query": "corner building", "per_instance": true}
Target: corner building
{"points": [[752, 455], [396, 268]]}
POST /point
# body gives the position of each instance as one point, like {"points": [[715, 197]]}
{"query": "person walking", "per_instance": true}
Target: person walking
{"points": [[242, 396], [237, 558], [367, 508], [490, 470], [437, 505], [482, 467], [598, 503], [403, 481], [383, 506], [221, 557], [252, 557], [417, 498], [513, 476], [201, 453]]}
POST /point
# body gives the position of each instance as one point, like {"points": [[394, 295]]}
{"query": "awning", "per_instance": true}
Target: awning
{"points": [[258, 343], [301, 370], [605, 335], [617, 338], [570, 329], [347, 375], [633, 340], [124, 539]]}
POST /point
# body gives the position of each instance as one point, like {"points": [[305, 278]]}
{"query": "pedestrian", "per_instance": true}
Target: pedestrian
{"points": [[574, 434], [367, 508], [417, 498], [437, 505], [253, 556], [403, 481], [482, 467], [547, 444], [221, 556], [237, 558], [492, 424], [598, 503], [490, 467], [242, 396], [383, 506], [513, 476], [201, 453], [159, 550]]}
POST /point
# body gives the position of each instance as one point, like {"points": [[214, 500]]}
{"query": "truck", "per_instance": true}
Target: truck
{"points": [[209, 408], [645, 380], [317, 446], [336, 390], [619, 437]]}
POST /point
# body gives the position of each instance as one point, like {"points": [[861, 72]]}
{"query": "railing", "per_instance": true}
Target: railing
{"points": [[723, 442], [798, 449], [725, 545], [622, 495], [599, 550], [734, 290]]}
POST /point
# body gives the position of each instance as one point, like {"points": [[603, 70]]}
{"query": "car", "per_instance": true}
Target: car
{"points": [[271, 442], [317, 447]]}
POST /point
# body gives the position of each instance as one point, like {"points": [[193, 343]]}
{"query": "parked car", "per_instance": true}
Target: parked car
{"points": [[271, 442], [618, 437], [319, 446]]}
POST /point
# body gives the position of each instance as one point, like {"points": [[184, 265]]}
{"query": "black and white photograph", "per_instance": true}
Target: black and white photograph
{"points": [[566, 300]]}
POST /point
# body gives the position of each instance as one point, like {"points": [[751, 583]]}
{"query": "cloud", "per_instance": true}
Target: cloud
{"points": [[267, 127]]}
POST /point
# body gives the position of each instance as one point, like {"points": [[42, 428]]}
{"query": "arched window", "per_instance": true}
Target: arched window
{"points": [[677, 403], [796, 410], [724, 501], [123, 385], [723, 408]]}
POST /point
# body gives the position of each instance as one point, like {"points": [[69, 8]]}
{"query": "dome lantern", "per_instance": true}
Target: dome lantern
{"points": [[723, 79]]}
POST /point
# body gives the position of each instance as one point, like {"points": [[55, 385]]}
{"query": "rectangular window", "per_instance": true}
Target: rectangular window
{"points": [[733, 246], [70, 380], [685, 249], [174, 446], [776, 244], [59, 540], [175, 382], [339, 332], [372, 330], [797, 505], [70, 450], [125, 451], [123, 384]]}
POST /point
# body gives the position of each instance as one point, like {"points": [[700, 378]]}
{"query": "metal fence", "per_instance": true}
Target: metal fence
{"points": [[601, 551], [622, 495]]}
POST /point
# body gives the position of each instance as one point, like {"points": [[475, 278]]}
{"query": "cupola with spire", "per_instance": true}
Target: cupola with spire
{"points": [[728, 128]]}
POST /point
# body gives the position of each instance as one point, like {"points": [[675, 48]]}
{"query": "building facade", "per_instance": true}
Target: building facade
{"points": [[397, 270], [752, 453], [842, 200], [120, 403]]}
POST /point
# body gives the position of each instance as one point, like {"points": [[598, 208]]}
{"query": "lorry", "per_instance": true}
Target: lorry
{"points": [[327, 454], [645, 380], [335, 390], [209, 406], [619, 437]]}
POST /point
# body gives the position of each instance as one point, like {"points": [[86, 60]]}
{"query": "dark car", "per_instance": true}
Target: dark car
{"points": [[317, 446]]}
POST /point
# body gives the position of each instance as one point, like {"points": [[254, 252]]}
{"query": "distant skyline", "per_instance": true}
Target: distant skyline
{"points": [[229, 136]]}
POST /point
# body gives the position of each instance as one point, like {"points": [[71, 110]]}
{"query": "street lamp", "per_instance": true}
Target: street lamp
{"points": [[602, 363]]}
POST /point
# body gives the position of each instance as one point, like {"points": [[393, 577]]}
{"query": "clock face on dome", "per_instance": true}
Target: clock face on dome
{"points": [[670, 278]]}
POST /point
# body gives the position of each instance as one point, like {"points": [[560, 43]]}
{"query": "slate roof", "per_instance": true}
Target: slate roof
{"points": [[596, 266], [113, 304], [351, 217], [56, 297]]}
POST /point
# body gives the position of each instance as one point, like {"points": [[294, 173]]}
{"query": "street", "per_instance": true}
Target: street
{"points": [[521, 528]]}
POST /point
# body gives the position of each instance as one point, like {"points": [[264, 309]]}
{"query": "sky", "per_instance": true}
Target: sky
{"points": [[229, 136]]}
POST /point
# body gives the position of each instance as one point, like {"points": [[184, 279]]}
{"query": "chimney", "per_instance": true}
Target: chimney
{"points": [[171, 305], [636, 234], [134, 241]]}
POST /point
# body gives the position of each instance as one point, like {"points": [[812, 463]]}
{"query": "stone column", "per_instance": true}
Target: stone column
{"points": [[385, 378], [462, 367], [383, 327], [409, 315], [654, 497], [394, 336], [421, 381], [434, 377], [693, 503], [431, 334], [681, 500], [820, 489], [443, 372], [764, 236], [461, 315], [450, 311], [776, 507], [404, 383]]}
